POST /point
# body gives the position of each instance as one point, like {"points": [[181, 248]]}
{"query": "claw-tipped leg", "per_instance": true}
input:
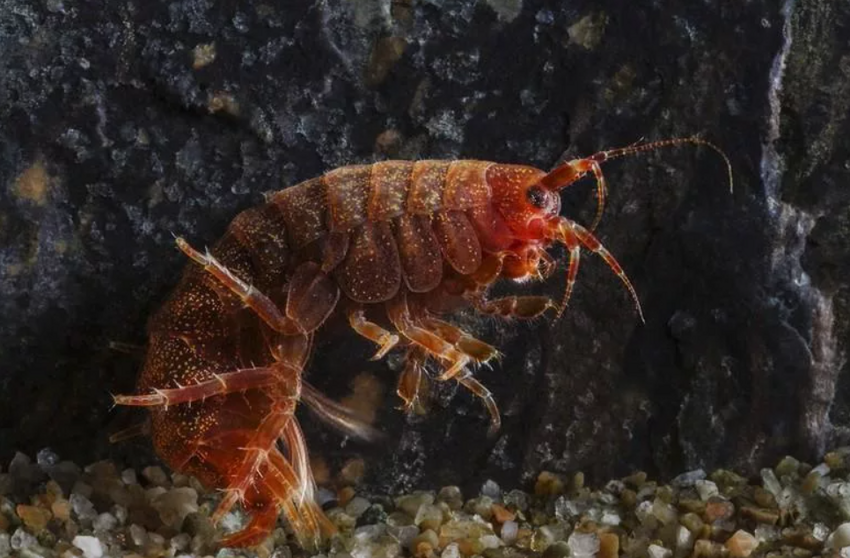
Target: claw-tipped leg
{"points": [[413, 381], [478, 389], [373, 332]]}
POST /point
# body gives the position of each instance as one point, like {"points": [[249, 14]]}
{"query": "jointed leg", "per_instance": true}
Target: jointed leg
{"points": [[478, 389], [574, 232], [262, 523], [251, 297], [140, 429], [413, 381], [478, 350], [221, 384], [432, 343], [523, 307], [314, 520], [257, 452], [572, 271], [373, 332]]}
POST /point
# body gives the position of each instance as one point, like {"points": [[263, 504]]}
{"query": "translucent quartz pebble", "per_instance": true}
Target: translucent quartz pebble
{"points": [[841, 536], [410, 504], [104, 522], [706, 489], [173, 506], [83, 508], [357, 506], [518, 499], [491, 489], [21, 540], [155, 475], [509, 531], [451, 551], [583, 544], [688, 479]]}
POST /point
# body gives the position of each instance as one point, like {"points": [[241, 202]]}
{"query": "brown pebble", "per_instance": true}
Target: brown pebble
{"points": [[321, 471], [764, 498], [53, 489], [502, 514], [34, 517], [706, 548], [61, 509], [741, 544], [548, 484], [636, 479], [770, 517], [717, 509], [628, 498], [609, 545], [345, 495], [352, 472]]}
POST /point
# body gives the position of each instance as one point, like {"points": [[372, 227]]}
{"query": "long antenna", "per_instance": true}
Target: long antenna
{"points": [[653, 145]]}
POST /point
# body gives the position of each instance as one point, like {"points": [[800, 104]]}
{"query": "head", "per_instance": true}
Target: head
{"points": [[528, 200]]}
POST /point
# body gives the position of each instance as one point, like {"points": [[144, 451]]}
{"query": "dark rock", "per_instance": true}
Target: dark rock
{"points": [[124, 122]]}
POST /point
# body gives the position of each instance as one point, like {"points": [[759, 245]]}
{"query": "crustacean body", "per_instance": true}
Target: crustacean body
{"points": [[388, 246]]}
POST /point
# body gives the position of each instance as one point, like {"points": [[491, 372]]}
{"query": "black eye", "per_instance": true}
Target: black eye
{"points": [[536, 196]]}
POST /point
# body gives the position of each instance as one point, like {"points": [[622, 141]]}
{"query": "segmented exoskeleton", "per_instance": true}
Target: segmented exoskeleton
{"points": [[391, 246]]}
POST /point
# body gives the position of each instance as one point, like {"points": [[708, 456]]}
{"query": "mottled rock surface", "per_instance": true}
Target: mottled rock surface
{"points": [[124, 122]]}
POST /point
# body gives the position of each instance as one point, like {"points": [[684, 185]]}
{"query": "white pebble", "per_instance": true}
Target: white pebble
{"points": [[706, 489], [490, 541], [128, 476], [180, 542], [684, 538], [509, 531], [138, 535], [688, 479], [155, 475], [492, 490], [451, 551], [83, 507], [766, 533], [357, 506], [841, 536], [610, 517], [104, 522], [90, 546], [21, 540], [120, 513], [583, 544], [656, 551]]}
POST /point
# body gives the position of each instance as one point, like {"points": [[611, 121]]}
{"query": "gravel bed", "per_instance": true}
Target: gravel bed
{"points": [[54, 508]]}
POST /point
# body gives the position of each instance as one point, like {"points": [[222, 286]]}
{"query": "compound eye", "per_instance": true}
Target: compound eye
{"points": [[536, 196]]}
